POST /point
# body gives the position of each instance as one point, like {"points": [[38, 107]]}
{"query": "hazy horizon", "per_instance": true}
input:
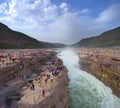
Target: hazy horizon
{"points": [[63, 21]]}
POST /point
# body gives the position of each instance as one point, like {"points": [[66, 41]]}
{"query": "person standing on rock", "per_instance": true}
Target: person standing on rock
{"points": [[32, 87], [46, 80], [43, 92], [21, 67]]}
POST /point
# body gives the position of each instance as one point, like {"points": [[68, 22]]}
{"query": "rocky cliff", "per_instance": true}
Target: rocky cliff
{"points": [[105, 68], [57, 99], [16, 92]]}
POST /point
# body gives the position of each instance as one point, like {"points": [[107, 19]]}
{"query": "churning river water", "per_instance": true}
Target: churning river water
{"points": [[84, 89]]}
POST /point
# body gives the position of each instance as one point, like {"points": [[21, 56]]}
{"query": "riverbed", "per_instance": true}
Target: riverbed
{"points": [[85, 90]]}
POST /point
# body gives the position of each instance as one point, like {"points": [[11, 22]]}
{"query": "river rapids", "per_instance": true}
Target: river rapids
{"points": [[84, 89]]}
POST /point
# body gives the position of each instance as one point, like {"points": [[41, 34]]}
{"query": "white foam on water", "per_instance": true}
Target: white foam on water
{"points": [[84, 89]]}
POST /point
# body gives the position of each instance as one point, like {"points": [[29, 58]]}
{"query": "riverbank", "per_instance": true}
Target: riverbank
{"points": [[104, 64], [41, 68]]}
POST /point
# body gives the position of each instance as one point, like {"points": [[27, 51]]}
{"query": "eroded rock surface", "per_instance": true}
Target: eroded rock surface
{"points": [[105, 67]]}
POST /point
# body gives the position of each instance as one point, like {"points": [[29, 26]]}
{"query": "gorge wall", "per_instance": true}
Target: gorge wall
{"points": [[105, 68]]}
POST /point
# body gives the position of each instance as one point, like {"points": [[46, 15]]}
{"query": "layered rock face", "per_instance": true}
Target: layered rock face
{"points": [[105, 68]]}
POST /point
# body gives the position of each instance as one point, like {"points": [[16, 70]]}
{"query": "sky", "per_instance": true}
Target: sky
{"points": [[60, 21]]}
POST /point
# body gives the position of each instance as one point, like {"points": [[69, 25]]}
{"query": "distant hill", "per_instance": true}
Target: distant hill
{"points": [[10, 39], [110, 38]]}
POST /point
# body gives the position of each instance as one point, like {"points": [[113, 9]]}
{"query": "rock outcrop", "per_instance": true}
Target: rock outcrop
{"points": [[58, 97], [105, 68], [15, 83]]}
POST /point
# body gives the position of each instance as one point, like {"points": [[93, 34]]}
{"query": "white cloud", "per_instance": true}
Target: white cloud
{"points": [[110, 14], [64, 7], [3, 7], [46, 21], [84, 11]]}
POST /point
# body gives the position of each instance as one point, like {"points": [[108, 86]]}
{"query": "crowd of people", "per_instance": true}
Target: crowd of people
{"points": [[53, 67], [10, 56], [20, 56]]}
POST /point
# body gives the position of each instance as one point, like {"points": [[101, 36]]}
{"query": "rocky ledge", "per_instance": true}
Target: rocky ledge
{"points": [[43, 70]]}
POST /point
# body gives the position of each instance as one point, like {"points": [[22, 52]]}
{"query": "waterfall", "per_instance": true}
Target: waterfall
{"points": [[84, 89]]}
